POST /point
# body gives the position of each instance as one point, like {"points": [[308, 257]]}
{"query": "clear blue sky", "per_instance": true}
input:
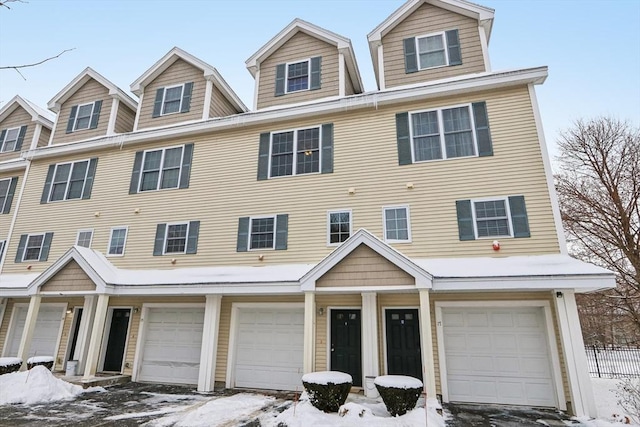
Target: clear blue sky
{"points": [[592, 47]]}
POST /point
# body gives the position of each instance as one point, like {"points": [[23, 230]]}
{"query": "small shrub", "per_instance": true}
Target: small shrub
{"points": [[399, 398], [48, 365], [327, 396], [629, 397], [11, 366], [45, 361]]}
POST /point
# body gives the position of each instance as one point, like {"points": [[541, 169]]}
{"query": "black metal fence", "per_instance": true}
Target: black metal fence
{"points": [[613, 362]]}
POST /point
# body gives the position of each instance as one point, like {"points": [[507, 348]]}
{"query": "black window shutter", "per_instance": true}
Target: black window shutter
{"points": [[91, 173], [453, 46], [282, 231], [158, 245], [10, 193], [483, 135], [410, 56], [192, 239], [243, 234], [157, 104], [186, 97], [21, 246], [2, 134], [280, 77], [465, 220], [327, 148], [47, 184], [519, 217], [263, 156], [404, 142], [97, 106], [315, 80], [46, 245], [21, 134], [135, 175], [185, 172], [72, 118]]}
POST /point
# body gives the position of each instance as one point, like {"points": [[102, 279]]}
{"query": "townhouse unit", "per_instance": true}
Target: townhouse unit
{"points": [[413, 229]]}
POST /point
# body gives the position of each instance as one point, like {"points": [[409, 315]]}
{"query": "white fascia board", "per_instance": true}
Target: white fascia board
{"points": [[13, 165], [352, 67], [584, 283], [37, 114], [371, 100], [275, 288], [121, 96]]}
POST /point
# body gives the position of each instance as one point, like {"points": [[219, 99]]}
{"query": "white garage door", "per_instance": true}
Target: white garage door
{"points": [[171, 346], [498, 355], [46, 334], [269, 348]]}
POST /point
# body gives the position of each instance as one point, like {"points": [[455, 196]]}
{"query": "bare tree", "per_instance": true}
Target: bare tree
{"points": [[598, 188]]}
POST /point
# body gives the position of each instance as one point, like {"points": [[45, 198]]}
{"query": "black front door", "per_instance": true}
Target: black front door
{"points": [[117, 340], [346, 344], [403, 343]]}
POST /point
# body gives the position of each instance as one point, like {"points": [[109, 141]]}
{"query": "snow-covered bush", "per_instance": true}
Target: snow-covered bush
{"points": [[327, 390], [9, 364], [629, 397], [399, 393], [46, 361]]}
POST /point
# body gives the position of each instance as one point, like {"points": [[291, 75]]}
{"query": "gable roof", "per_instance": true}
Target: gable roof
{"points": [[343, 45], [482, 14], [210, 73], [82, 78], [38, 114]]}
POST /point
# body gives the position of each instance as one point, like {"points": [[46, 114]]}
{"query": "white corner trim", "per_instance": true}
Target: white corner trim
{"points": [[209, 347], [255, 90], [138, 110], [341, 75], [369, 340], [208, 93], [113, 114], [309, 336], [485, 48], [36, 137], [381, 78], [53, 129], [546, 161]]}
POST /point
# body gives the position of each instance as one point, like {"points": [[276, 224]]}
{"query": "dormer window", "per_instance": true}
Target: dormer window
{"points": [[84, 116], [298, 76], [8, 143], [172, 99], [432, 50]]}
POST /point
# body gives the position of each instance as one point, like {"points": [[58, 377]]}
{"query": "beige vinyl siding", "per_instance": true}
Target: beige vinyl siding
{"points": [[224, 175], [61, 357], [425, 20], [178, 73], [299, 48], [70, 278], [18, 117], [348, 89], [220, 106], [364, 267], [45, 135], [91, 91], [225, 325], [327, 302], [124, 119]]}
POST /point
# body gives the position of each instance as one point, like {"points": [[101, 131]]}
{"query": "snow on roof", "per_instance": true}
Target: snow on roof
{"points": [[515, 266], [41, 111], [17, 280]]}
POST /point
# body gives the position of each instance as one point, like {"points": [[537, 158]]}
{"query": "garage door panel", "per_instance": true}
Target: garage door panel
{"points": [[45, 336], [502, 320]]}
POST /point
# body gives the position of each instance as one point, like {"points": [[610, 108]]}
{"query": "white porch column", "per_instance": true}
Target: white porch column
{"points": [[582, 400], [86, 323], [93, 352], [29, 328], [426, 344], [370, 365], [309, 351], [209, 352]]}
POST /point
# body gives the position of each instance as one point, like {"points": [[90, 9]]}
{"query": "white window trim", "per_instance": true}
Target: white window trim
{"points": [[507, 209], [275, 231], [164, 150], [286, 75], [26, 247], [443, 147], [75, 121], [164, 97], [166, 235], [335, 211], [66, 188], [5, 194], [384, 223], [4, 139], [444, 43], [124, 244], [294, 170], [84, 230]]}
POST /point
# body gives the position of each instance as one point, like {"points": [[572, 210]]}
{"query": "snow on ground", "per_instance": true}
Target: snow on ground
{"points": [[36, 386], [610, 414]]}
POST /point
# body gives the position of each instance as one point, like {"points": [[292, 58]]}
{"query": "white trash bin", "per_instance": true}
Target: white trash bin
{"points": [[370, 389], [72, 368]]}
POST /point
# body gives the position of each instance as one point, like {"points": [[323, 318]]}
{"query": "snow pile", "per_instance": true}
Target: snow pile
{"points": [[39, 359], [397, 381], [610, 414], [8, 361], [326, 377], [36, 386]]}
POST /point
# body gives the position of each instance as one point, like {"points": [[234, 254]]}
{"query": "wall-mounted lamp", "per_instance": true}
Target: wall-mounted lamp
{"points": [[260, 257], [559, 294], [69, 311], [321, 311], [136, 309], [173, 260], [28, 267]]}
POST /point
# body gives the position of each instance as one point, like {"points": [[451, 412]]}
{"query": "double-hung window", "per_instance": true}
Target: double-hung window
{"points": [[295, 152], [117, 241], [67, 181], [292, 77], [10, 140], [34, 247], [2, 245], [492, 218], [172, 99], [396, 222], [443, 134], [339, 226], [84, 237], [298, 76], [176, 238], [263, 232], [161, 169], [7, 190], [83, 116], [432, 50]]}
